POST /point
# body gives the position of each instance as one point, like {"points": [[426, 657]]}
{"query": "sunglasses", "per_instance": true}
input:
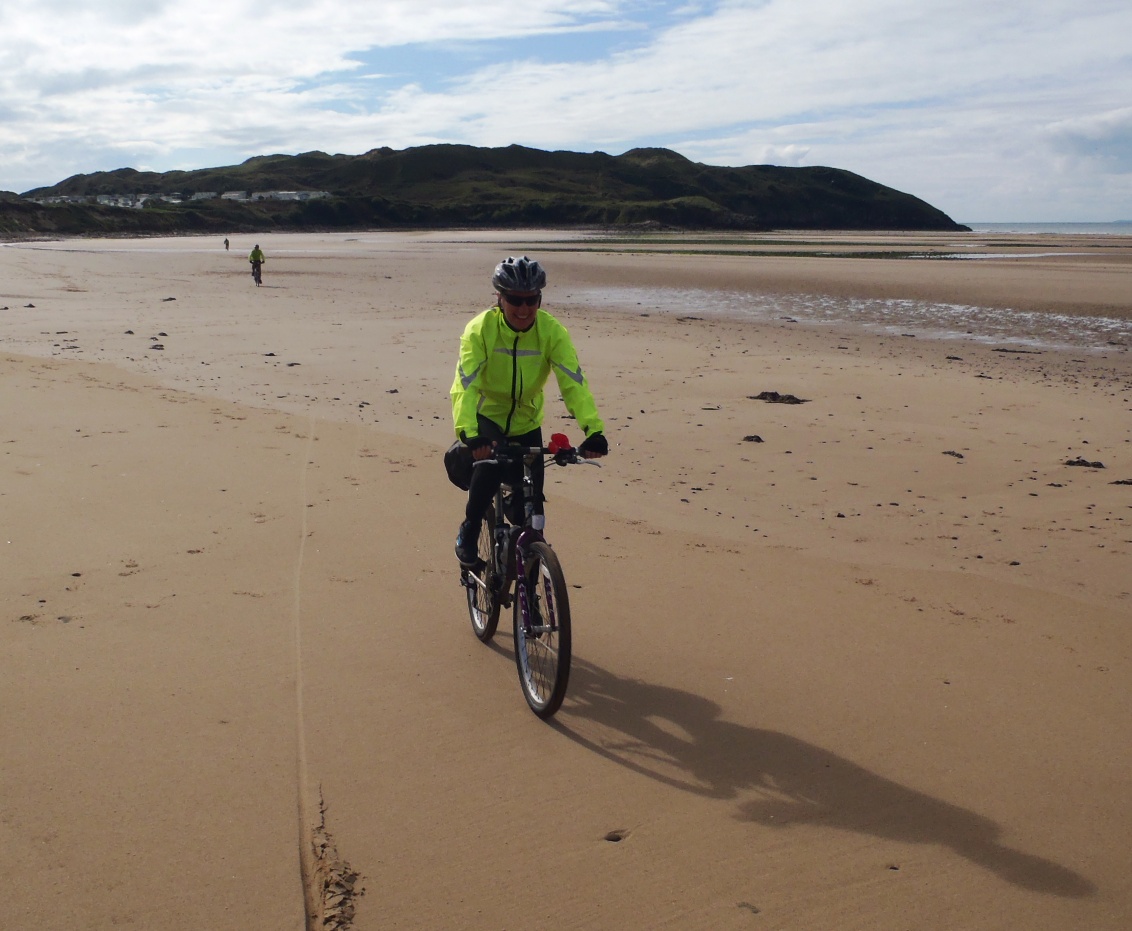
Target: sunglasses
{"points": [[515, 301]]}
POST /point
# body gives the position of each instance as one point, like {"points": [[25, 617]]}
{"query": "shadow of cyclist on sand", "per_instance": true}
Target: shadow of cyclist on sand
{"points": [[679, 739]]}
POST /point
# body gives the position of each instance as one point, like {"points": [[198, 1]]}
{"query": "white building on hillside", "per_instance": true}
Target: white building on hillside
{"points": [[289, 195]]}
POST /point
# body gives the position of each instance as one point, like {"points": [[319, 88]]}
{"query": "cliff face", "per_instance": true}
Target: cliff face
{"points": [[454, 185]]}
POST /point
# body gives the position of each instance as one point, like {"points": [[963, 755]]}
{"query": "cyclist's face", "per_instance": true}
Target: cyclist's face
{"points": [[520, 308]]}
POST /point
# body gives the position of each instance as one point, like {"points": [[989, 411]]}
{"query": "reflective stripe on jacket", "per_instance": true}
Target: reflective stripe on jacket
{"points": [[501, 374]]}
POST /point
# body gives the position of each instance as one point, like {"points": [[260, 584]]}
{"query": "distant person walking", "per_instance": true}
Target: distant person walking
{"points": [[225, 243], [257, 259]]}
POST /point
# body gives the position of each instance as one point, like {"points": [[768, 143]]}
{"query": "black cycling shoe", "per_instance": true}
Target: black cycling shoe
{"points": [[467, 543]]}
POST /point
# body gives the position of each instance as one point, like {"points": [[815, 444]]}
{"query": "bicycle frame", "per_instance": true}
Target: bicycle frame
{"points": [[506, 554], [518, 554], [507, 545]]}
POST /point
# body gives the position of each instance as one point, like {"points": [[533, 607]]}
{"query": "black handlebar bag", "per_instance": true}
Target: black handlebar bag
{"points": [[458, 465]]}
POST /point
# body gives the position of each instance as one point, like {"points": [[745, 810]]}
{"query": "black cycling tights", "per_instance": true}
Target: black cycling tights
{"points": [[486, 478]]}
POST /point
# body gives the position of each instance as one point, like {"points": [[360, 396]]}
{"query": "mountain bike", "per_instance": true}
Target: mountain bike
{"points": [[257, 273], [511, 550]]}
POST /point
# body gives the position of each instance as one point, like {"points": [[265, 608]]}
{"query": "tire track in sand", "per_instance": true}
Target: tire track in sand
{"points": [[330, 885]]}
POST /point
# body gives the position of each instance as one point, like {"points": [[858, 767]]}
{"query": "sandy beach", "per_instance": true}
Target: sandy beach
{"points": [[862, 662]]}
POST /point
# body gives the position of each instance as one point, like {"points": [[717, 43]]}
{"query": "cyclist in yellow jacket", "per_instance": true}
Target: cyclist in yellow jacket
{"points": [[506, 356], [257, 260]]}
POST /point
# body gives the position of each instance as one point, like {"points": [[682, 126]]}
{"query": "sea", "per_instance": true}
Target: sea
{"points": [[1116, 228]]}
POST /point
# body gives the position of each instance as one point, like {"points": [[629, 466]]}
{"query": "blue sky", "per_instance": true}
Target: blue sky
{"points": [[988, 111]]}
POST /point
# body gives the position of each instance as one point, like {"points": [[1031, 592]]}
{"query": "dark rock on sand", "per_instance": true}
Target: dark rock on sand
{"points": [[773, 397]]}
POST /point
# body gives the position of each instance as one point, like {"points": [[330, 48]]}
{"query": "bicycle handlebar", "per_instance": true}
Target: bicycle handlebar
{"points": [[511, 454]]}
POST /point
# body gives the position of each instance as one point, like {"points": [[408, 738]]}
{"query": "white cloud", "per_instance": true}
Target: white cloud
{"points": [[1104, 139], [1020, 110]]}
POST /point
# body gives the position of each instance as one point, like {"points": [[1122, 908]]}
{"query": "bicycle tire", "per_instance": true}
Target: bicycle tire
{"points": [[542, 647], [483, 601]]}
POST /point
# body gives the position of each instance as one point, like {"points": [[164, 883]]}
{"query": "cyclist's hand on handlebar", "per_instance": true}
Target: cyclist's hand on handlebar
{"points": [[481, 447], [594, 446]]}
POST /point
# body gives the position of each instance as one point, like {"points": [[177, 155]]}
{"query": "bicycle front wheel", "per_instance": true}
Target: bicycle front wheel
{"points": [[483, 600], [542, 630]]}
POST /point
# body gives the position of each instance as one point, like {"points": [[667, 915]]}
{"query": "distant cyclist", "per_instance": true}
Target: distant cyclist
{"points": [[257, 258], [507, 353]]}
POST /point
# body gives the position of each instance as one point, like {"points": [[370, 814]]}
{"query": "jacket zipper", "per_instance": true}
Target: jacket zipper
{"points": [[514, 379]]}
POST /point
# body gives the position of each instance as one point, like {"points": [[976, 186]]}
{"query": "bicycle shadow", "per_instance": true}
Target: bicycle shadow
{"points": [[679, 739]]}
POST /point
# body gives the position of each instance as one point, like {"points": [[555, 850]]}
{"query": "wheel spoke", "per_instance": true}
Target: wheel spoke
{"points": [[483, 600], [542, 647]]}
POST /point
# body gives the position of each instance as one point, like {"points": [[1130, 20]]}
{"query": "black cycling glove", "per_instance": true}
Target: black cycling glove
{"points": [[476, 442], [595, 443]]}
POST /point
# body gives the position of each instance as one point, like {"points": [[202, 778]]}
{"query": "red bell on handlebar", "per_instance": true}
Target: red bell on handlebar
{"points": [[559, 442]]}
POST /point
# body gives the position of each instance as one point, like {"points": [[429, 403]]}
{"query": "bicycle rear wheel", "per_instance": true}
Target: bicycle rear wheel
{"points": [[483, 602], [542, 630]]}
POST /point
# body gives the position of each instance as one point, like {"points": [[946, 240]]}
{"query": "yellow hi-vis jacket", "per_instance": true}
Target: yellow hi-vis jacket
{"points": [[501, 374]]}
